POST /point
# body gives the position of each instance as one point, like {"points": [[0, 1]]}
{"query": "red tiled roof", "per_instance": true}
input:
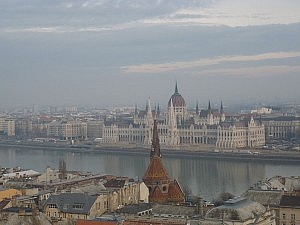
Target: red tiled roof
{"points": [[175, 192], [158, 196], [155, 171]]}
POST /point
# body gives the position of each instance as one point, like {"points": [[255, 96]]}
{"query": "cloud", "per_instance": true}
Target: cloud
{"points": [[78, 15], [72, 29], [253, 72], [204, 62]]}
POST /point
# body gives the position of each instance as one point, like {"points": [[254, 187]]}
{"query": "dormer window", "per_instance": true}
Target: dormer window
{"points": [[78, 206]]}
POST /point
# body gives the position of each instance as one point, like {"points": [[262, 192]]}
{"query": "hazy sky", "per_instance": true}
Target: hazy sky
{"points": [[120, 52]]}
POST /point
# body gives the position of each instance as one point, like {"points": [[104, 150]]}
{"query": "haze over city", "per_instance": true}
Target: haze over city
{"points": [[101, 52]]}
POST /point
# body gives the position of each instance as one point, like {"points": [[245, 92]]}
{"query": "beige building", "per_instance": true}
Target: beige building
{"points": [[121, 192], [67, 130], [75, 206], [289, 211], [9, 193], [7, 126]]}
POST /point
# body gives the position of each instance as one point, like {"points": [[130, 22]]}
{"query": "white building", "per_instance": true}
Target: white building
{"points": [[179, 128]]}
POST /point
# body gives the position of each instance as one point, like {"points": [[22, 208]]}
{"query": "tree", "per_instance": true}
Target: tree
{"points": [[223, 197]]}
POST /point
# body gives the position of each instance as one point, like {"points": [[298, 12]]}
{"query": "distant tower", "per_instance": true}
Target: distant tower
{"points": [[149, 115], [172, 126], [157, 110], [221, 108], [135, 110], [210, 116], [161, 188], [209, 107], [197, 108], [222, 114]]}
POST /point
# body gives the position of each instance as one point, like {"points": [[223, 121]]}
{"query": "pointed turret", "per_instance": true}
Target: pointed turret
{"points": [[135, 110], [147, 108], [176, 88], [209, 107], [171, 116], [155, 148], [157, 110], [149, 115], [197, 108], [221, 108]]}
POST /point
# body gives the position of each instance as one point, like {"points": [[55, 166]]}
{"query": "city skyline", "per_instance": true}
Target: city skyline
{"points": [[122, 52]]}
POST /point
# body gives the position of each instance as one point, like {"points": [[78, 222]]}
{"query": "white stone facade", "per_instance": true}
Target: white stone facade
{"points": [[210, 129]]}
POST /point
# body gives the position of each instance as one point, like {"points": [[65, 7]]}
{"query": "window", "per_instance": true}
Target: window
{"points": [[293, 216], [283, 216], [78, 206]]}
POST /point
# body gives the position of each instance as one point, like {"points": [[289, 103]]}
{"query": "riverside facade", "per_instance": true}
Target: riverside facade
{"points": [[178, 128]]}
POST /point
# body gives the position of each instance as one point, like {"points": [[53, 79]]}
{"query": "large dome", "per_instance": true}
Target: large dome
{"points": [[177, 99]]}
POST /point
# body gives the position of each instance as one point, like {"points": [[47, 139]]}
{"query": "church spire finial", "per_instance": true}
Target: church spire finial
{"points": [[197, 108], [176, 88], [157, 110], [135, 110], [155, 148], [221, 109], [209, 107]]}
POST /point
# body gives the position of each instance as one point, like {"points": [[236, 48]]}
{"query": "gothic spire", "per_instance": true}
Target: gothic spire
{"points": [[176, 88], [135, 109], [209, 107], [155, 148], [221, 108], [157, 110], [148, 106], [197, 108]]}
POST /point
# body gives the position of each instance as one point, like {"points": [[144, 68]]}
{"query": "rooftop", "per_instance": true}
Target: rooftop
{"points": [[290, 201]]}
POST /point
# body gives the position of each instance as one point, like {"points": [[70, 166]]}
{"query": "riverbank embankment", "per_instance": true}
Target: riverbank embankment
{"points": [[236, 154]]}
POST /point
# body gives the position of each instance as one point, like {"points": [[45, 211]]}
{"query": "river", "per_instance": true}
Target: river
{"points": [[207, 177]]}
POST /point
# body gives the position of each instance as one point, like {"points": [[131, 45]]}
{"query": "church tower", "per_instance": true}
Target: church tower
{"points": [[161, 188]]}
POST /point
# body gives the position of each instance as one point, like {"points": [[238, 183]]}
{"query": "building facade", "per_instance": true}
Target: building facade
{"points": [[178, 128], [67, 130], [282, 127], [7, 126], [289, 211]]}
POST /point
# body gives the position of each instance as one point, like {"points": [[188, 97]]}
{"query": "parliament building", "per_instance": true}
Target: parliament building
{"points": [[178, 128]]}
